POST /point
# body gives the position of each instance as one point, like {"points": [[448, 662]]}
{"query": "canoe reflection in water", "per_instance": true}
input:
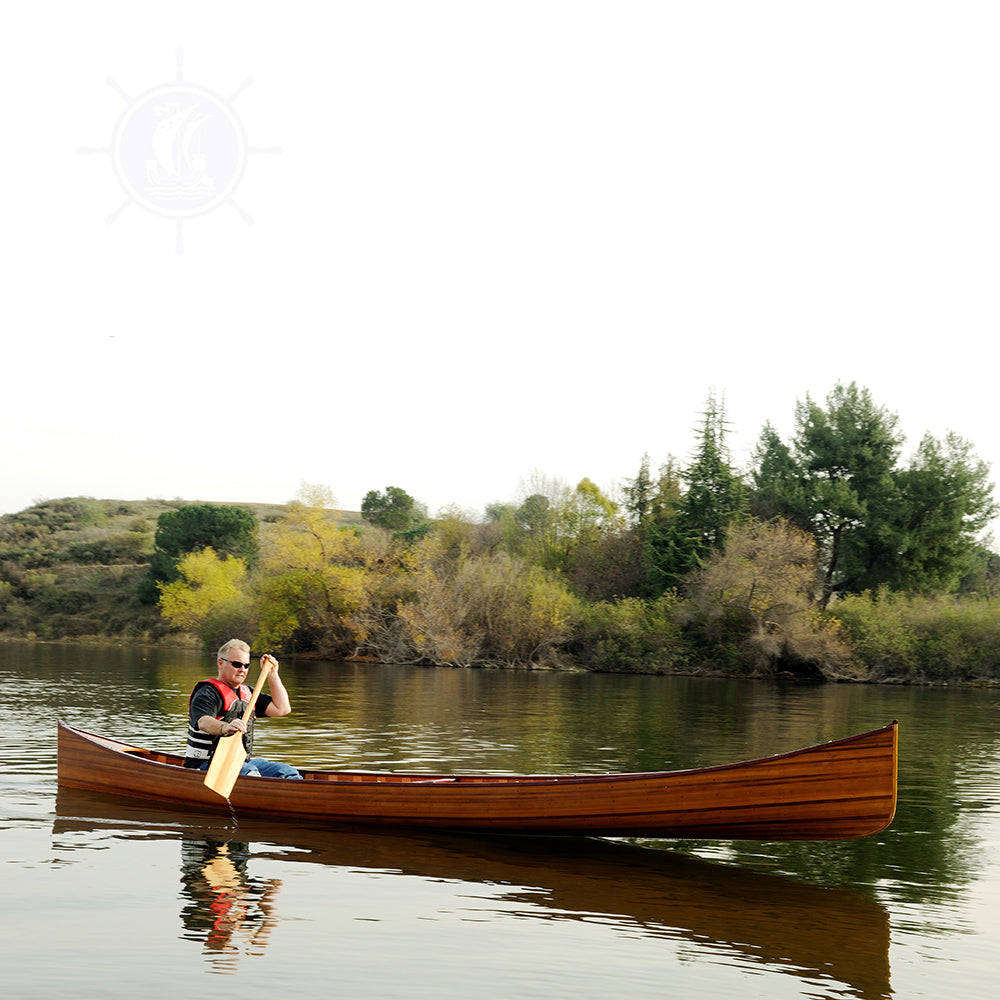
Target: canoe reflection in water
{"points": [[715, 912], [231, 912]]}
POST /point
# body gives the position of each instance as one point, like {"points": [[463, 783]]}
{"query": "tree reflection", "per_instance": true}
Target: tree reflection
{"points": [[232, 913]]}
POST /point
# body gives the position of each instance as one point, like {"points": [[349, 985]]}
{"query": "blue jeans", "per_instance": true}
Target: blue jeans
{"points": [[261, 767]]}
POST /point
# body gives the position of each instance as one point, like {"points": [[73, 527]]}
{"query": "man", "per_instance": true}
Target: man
{"points": [[217, 705]]}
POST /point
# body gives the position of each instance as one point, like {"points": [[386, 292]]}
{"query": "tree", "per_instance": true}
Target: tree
{"points": [[982, 575], [647, 500], [461, 535], [875, 523], [531, 531], [847, 454], [313, 579], [715, 497], [835, 481], [586, 514], [534, 516], [766, 575], [395, 510], [629, 563], [638, 495], [667, 493], [946, 500], [228, 530], [595, 551], [206, 585], [774, 481], [611, 568]]}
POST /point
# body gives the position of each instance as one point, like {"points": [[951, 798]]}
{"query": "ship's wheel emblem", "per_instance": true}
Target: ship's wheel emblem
{"points": [[179, 150]]}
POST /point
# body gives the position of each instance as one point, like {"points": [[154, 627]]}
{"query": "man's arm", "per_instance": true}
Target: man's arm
{"points": [[280, 705], [205, 707]]}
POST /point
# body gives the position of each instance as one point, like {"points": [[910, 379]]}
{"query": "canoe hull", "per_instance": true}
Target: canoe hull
{"points": [[834, 791]]}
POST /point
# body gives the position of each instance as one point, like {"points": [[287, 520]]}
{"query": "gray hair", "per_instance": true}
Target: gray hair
{"points": [[233, 644]]}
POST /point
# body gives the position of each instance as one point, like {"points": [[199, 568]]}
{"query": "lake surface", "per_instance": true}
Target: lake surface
{"points": [[105, 898]]}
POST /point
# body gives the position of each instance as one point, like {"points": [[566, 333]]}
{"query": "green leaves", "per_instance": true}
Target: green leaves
{"points": [[715, 498], [395, 510], [228, 530], [877, 523]]}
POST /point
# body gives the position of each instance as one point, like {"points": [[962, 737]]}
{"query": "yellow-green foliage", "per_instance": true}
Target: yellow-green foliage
{"points": [[317, 602], [527, 615], [922, 638], [208, 584], [279, 607], [318, 581]]}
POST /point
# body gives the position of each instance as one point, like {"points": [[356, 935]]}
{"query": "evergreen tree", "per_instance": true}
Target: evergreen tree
{"points": [[776, 483], [840, 483], [638, 495], [395, 510], [647, 545], [876, 524], [715, 497], [228, 530], [946, 499]]}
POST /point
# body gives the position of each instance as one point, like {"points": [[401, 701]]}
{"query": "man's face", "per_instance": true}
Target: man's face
{"points": [[233, 669]]}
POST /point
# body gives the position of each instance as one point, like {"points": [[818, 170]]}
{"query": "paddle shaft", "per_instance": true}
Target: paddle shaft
{"points": [[230, 754]]}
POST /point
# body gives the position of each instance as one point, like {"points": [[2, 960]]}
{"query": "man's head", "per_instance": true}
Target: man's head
{"points": [[234, 662]]}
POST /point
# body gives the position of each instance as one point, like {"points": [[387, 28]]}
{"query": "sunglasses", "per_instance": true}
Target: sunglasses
{"points": [[236, 663]]}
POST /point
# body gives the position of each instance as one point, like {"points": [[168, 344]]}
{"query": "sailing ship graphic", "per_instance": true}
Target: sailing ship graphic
{"points": [[179, 150], [177, 170]]}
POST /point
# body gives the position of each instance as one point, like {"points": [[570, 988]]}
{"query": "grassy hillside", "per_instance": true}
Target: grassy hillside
{"points": [[69, 568]]}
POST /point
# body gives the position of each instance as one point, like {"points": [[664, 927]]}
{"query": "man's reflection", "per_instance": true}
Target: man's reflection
{"points": [[231, 912]]}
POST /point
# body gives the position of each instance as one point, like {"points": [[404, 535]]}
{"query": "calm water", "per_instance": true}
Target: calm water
{"points": [[109, 899]]}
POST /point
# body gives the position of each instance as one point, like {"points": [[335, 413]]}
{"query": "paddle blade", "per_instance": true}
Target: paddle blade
{"points": [[224, 768], [230, 753]]}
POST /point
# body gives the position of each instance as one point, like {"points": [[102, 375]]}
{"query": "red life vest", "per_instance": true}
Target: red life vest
{"points": [[228, 694], [201, 746]]}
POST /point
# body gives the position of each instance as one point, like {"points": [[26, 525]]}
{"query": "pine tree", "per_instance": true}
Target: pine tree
{"points": [[715, 497]]}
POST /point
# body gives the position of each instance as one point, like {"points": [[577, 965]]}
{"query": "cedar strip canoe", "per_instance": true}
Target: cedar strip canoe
{"points": [[833, 791]]}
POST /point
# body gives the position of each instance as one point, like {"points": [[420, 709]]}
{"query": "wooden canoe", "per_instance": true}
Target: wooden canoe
{"points": [[833, 791]]}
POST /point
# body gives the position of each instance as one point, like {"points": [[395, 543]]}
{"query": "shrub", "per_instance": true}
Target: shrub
{"points": [[484, 609], [918, 639], [630, 636], [755, 602], [127, 547]]}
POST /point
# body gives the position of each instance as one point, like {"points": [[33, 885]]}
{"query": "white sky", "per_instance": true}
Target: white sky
{"points": [[497, 238]]}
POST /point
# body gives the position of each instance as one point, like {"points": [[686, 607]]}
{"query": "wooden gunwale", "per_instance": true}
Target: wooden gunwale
{"points": [[837, 790]]}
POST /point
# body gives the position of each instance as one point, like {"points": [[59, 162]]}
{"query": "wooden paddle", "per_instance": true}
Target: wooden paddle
{"points": [[230, 754]]}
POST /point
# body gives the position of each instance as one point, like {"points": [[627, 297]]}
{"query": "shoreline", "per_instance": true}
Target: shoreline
{"points": [[192, 644]]}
